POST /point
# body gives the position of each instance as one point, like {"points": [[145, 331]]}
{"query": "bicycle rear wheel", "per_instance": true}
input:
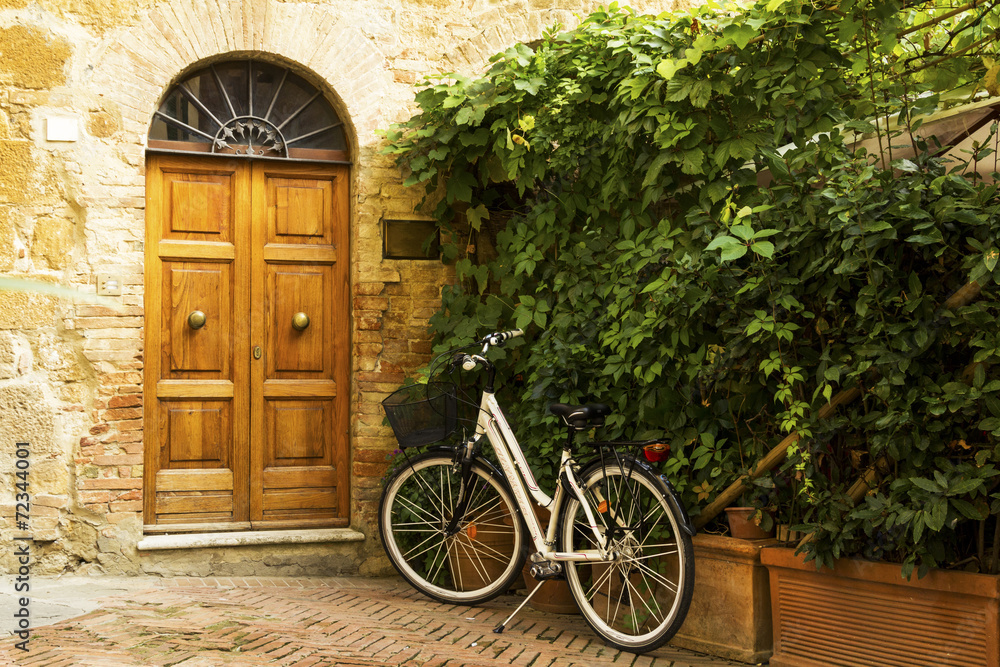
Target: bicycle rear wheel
{"points": [[637, 601], [476, 564]]}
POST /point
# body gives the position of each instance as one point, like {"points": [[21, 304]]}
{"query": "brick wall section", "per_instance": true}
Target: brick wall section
{"points": [[71, 372]]}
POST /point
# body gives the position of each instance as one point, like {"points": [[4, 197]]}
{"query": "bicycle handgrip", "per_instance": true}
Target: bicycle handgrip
{"points": [[501, 336]]}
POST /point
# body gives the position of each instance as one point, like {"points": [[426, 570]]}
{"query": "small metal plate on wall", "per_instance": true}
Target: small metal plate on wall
{"points": [[109, 285], [404, 239]]}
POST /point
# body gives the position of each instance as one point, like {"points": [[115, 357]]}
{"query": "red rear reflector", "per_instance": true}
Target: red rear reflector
{"points": [[658, 451]]}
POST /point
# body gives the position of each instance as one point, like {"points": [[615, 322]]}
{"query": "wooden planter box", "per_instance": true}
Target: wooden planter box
{"points": [[865, 613], [730, 613]]}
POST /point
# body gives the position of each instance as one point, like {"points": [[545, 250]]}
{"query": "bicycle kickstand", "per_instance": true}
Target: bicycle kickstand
{"points": [[503, 625]]}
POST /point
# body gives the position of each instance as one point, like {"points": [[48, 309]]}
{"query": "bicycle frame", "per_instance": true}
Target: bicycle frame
{"points": [[493, 425]]}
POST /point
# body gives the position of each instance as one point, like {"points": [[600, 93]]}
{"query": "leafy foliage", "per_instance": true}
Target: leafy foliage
{"points": [[675, 209]]}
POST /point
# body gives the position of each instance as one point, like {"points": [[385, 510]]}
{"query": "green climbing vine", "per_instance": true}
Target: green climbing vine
{"points": [[678, 211]]}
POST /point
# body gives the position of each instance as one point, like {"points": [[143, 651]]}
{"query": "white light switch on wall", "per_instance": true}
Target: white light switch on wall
{"points": [[61, 129]]}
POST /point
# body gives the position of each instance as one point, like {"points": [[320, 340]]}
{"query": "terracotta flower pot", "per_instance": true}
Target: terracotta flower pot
{"points": [[742, 525], [865, 613], [730, 614]]}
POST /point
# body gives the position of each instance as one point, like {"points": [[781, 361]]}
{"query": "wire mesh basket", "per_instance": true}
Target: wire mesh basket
{"points": [[421, 414]]}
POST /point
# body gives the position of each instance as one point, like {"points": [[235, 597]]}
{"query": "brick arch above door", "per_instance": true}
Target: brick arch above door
{"points": [[140, 62]]}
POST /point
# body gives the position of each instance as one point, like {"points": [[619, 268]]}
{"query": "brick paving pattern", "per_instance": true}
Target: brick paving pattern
{"points": [[350, 622]]}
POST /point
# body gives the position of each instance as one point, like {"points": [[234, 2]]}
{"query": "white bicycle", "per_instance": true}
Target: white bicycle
{"points": [[457, 527]]}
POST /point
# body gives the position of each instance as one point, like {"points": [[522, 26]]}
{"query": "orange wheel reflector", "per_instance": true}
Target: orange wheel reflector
{"points": [[471, 531], [603, 507]]}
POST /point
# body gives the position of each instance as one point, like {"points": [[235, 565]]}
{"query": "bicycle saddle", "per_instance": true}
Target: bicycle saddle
{"points": [[581, 417]]}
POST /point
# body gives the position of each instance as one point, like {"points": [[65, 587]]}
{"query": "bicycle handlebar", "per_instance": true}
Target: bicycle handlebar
{"points": [[500, 337], [470, 361]]}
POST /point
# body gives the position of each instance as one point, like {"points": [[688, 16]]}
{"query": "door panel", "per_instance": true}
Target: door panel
{"points": [[232, 441], [190, 287], [302, 384], [198, 434], [294, 353], [196, 380]]}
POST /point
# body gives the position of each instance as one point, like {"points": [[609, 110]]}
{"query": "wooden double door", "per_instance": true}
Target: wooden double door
{"points": [[247, 345]]}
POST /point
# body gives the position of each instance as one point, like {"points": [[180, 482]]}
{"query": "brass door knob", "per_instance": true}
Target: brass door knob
{"points": [[197, 319], [300, 321]]}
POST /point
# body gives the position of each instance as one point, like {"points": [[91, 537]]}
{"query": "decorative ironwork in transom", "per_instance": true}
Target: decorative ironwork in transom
{"points": [[248, 108]]}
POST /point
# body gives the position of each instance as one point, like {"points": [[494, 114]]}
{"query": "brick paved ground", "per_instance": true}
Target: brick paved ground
{"points": [[331, 621]]}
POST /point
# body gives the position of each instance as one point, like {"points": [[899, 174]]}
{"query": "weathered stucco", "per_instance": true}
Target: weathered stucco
{"points": [[71, 372], [31, 57]]}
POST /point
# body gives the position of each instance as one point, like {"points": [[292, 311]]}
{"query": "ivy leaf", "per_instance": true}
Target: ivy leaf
{"points": [[740, 34], [701, 93], [667, 68], [476, 215], [722, 242], [530, 86], [653, 172], [732, 252], [763, 248], [460, 186], [742, 231], [694, 162]]}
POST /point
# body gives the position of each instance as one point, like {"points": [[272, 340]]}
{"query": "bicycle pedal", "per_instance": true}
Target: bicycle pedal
{"points": [[547, 570]]}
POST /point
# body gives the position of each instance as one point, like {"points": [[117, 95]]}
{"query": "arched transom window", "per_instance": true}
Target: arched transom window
{"points": [[248, 108]]}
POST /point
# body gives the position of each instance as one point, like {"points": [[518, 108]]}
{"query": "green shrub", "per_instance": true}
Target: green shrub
{"points": [[612, 182]]}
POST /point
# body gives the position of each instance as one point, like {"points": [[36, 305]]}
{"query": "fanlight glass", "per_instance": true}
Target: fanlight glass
{"points": [[248, 108]]}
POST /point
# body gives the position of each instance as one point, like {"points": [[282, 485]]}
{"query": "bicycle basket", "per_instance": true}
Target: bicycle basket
{"points": [[421, 414]]}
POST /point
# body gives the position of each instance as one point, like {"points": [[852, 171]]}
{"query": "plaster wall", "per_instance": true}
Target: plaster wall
{"points": [[71, 371]]}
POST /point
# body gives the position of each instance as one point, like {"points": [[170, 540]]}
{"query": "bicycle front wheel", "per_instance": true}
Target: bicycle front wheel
{"points": [[476, 564], [637, 601]]}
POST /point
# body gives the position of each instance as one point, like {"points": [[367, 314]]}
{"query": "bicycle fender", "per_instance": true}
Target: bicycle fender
{"points": [[686, 524]]}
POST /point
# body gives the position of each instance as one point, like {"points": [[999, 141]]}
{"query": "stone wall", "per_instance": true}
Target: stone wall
{"points": [[71, 370]]}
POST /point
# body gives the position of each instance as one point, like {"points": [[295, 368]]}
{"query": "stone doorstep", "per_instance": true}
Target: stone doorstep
{"points": [[247, 538]]}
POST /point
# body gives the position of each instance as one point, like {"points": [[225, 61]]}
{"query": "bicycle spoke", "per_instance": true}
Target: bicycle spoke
{"points": [[656, 576], [437, 572], [417, 509], [409, 555]]}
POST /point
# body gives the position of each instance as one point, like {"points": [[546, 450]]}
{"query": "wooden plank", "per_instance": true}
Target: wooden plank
{"points": [[294, 477], [194, 480], [300, 389], [174, 523], [296, 499], [269, 523], [195, 250], [194, 389], [288, 253], [193, 504]]}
